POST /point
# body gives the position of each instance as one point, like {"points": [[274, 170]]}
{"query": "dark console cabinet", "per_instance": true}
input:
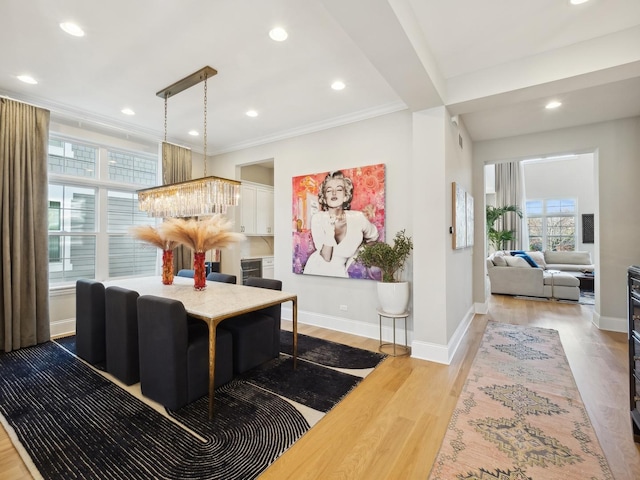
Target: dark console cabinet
{"points": [[634, 348]]}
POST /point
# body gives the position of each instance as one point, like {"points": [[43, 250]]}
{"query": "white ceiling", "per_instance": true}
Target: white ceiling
{"points": [[494, 63]]}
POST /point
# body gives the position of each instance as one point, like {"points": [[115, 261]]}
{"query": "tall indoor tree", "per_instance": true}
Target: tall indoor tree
{"points": [[499, 238]]}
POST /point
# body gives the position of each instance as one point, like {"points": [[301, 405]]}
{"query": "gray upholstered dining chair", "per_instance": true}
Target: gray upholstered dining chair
{"points": [[174, 353], [256, 335], [90, 321], [185, 272], [121, 328], [222, 277], [212, 266]]}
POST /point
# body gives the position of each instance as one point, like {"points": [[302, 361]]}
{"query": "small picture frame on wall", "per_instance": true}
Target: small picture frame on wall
{"points": [[588, 228]]}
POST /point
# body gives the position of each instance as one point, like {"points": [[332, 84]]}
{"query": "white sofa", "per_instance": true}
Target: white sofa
{"points": [[542, 274], [568, 261]]}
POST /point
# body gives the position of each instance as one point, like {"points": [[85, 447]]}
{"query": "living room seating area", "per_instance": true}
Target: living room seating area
{"points": [[550, 274]]}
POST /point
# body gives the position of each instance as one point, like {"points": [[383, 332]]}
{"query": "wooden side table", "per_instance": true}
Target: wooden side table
{"points": [[404, 349]]}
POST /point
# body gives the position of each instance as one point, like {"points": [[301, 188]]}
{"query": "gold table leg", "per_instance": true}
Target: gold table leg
{"points": [[212, 367], [295, 332]]}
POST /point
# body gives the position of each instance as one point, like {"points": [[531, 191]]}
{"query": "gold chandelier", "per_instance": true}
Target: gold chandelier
{"points": [[203, 196]]}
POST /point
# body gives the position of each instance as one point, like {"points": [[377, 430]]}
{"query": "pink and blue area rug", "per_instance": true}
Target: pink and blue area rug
{"points": [[520, 415]]}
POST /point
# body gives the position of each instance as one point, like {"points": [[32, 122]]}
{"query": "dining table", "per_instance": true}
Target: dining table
{"points": [[217, 302]]}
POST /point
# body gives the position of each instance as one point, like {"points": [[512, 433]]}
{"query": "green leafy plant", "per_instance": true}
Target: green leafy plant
{"points": [[499, 238], [389, 259]]}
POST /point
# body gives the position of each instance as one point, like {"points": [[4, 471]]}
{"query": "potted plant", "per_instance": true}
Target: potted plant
{"points": [[499, 238], [390, 259]]}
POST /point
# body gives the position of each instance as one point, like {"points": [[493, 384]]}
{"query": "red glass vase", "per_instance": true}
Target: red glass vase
{"points": [[199, 277], [167, 267]]}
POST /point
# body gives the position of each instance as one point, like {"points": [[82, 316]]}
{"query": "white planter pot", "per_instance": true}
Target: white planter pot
{"points": [[393, 297]]}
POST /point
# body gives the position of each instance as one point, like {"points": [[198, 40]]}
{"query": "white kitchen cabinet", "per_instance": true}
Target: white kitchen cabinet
{"points": [[267, 267], [264, 211], [256, 209], [248, 209]]}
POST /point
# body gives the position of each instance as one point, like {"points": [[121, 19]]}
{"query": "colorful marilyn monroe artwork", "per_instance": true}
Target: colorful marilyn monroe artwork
{"points": [[334, 214]]}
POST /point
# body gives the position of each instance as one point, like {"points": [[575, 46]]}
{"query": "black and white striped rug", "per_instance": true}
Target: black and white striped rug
{"points": [[70, 422]]}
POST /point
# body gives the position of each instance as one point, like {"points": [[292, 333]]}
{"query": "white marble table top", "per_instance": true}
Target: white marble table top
{"points": [[215, 303]]}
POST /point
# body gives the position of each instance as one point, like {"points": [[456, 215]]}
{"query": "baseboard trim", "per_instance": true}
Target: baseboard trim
{"points": [[354, 327], [345, 325], [611, 324], [440, 353], [482, 308], [431, 352], [61, 328]]}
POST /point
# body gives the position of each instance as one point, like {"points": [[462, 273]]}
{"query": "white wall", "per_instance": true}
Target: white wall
{"points": [[459, 280], [385, 139], [565, 178], [430, 220], [422, 159], [257, 174], [616, 145]]}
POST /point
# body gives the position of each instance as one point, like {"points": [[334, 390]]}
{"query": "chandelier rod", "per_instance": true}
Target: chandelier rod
{"points": [[187, 82]]}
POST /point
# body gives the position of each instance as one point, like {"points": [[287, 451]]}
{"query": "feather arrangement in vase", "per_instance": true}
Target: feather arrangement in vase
{"points": [[154, 236], [200, 236]]}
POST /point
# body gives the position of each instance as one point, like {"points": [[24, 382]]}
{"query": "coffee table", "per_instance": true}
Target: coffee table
{"points": [[586, 281]]}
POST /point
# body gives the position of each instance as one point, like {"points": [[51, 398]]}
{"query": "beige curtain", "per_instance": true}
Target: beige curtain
{"points": [[24, 248], [176, 167], [510, 191]]}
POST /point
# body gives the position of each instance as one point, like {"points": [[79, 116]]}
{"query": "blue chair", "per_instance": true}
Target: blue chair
{"points": [[90, 321], [256, 335], [186, 273], [121, 327], [174, 353], [222, 277]]}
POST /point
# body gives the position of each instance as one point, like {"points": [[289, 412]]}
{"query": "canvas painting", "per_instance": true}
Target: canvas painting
{"points": [[333, 215], [459, 217], [469, 217]]}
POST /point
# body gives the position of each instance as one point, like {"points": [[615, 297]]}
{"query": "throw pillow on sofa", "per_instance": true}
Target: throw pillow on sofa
{"points": [[528, 259], [499, 261], [538, 257], [517, 262]]}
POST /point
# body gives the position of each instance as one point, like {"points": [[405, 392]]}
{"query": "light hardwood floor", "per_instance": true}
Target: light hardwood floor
{"points": [[392, 424]]}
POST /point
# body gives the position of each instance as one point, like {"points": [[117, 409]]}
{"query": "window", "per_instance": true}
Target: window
{"points": [[72, 159], [552, 224], [91, 207], [127, 256], [71, 210]]}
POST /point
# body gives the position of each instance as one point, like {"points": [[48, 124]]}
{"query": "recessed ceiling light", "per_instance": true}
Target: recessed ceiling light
{"points": [[72, 29], [27, 79], [278, 34], [193, 133], [338, 85], [128, 111], [252, 113], [577, 2], [552, 105]]}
